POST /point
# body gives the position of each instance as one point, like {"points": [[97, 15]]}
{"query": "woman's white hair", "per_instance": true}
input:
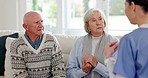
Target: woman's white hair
{"points": [[88, 13]]}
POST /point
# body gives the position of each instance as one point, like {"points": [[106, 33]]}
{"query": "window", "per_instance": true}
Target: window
{"points": [[75, 25], [118, 23], [48, 8], [66, 16]]}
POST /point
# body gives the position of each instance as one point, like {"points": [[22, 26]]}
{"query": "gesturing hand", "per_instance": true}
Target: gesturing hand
{"points": [[110, 49]]}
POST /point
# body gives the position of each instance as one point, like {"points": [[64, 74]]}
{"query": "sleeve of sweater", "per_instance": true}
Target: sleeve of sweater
{"points": [[17, 62], [58, 68], [101, 69], [110, 62], [73, 67]]}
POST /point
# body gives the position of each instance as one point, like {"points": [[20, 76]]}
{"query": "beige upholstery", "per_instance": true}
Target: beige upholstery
{"points": [[66, 43]]}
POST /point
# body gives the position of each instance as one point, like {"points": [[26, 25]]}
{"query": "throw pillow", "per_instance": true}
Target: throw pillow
{"points": [[8, 70], [3, 51]]}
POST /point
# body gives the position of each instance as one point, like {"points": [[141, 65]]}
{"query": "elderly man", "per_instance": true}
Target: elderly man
{"points": [[36, 54]]}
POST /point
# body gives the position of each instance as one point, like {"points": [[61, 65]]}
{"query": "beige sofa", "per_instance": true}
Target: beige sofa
{"points": [[65, 41]]}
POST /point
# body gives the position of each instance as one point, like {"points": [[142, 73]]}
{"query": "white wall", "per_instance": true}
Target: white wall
{"points": [[11, 14]]}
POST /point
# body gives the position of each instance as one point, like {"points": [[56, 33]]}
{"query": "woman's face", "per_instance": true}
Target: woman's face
{"points": [[129, 11], [96, 24]]}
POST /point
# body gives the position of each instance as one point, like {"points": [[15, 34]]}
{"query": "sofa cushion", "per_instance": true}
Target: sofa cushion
{"points": [[3, 50]]}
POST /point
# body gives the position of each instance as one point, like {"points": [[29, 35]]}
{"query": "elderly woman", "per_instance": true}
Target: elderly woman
{"points": [[132, 61], [87, 57]]}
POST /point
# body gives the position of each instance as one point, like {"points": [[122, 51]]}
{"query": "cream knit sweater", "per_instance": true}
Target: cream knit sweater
{"points": [[45, 62]]}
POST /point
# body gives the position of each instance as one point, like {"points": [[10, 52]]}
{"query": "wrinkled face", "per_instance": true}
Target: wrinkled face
{"points": [[96, 24], [34, 25]]}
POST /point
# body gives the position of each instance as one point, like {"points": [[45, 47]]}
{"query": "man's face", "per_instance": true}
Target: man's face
{"points": [[35, 25]]}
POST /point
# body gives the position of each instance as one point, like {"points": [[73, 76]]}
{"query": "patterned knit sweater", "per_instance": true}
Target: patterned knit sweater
{"points": [[45, 62]]}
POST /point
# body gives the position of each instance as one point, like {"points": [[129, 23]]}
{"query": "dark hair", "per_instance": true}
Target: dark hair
{"points": [[142, 3]]}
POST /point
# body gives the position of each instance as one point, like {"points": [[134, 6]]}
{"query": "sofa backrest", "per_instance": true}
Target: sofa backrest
{"points": [[66, 42]]}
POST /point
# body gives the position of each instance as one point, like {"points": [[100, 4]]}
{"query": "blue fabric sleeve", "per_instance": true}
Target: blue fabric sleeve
{"points": [[101, 69], [125, 64]]}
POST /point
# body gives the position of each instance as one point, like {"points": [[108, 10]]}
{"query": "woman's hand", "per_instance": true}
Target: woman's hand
{"points": [[110, 49], [90, 59], [86, 67]]}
